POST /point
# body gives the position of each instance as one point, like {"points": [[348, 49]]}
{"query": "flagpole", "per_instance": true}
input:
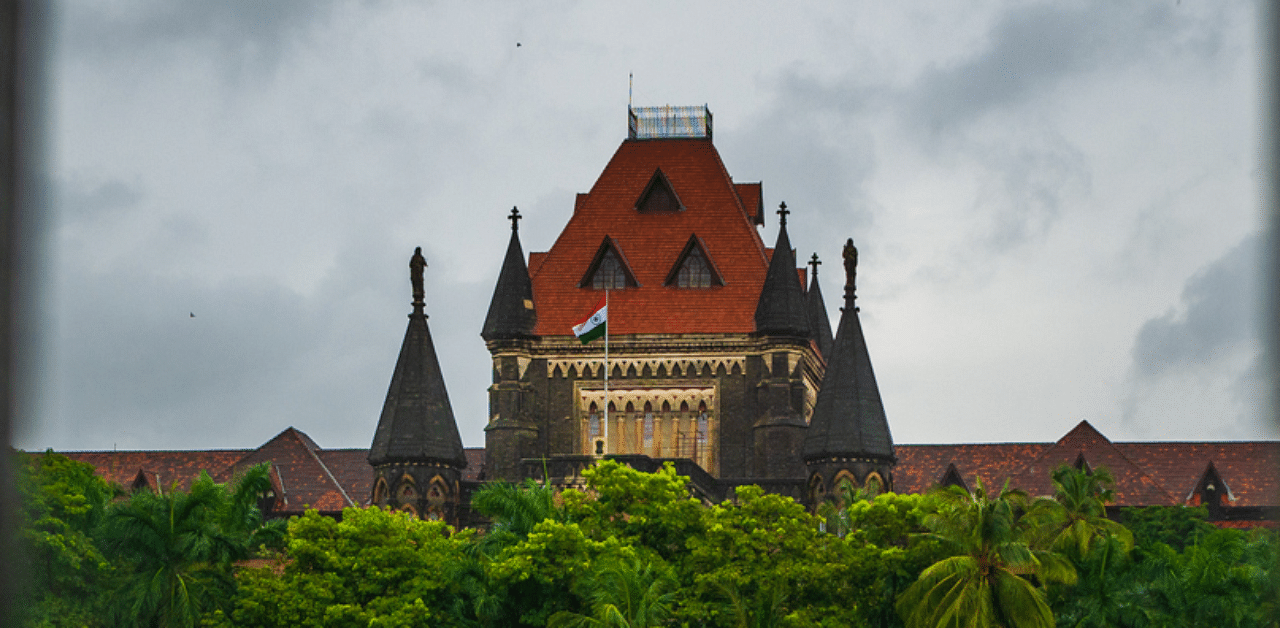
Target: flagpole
{"points": [[606, 373]]}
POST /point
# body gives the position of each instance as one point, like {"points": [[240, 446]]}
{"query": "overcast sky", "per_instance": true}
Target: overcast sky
{"points": [[1057, 204]]}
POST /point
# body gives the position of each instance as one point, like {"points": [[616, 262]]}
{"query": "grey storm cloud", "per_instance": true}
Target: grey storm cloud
{"points": [[1038, 45], [1218, 316], [247, 33]]}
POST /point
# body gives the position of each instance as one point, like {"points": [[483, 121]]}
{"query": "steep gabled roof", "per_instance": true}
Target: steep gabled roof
{"points": [[651, 242], [1134, 486], [417, 424], [781, 307], [511, 312], [299, 475], [848, 416]]}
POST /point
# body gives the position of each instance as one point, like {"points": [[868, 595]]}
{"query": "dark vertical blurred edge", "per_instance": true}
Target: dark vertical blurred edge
{"points": [[23, 29], [1270, 35]]}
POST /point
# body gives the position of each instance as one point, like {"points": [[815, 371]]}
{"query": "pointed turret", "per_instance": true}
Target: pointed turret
{"points": [[848, 435], [417, 453], [819, 322], [781, 309], [511, 314]]}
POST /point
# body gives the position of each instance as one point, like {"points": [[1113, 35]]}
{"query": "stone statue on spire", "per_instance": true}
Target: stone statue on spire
{"points": [[850, 269], [416, 265]]}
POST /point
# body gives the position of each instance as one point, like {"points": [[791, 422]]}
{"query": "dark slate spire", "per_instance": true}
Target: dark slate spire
{"points": [[819, 322], [848, 417], [781, 309], [417, 424], [511, 314]]}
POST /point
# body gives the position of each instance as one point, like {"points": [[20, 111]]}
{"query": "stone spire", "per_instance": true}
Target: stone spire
{"points": [[781, 309], [819, 322], [849, 431], [417, 453], [511, 314]]}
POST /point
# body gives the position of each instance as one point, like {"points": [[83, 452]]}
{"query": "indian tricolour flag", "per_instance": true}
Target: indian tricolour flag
{"points": [[595, 324]]}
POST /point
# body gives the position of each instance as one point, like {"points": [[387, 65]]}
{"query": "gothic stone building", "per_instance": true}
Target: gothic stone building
{"points": [[719, 357]]}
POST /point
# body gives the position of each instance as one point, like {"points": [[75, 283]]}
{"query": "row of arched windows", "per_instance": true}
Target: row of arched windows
{"points": [[661, 432]]}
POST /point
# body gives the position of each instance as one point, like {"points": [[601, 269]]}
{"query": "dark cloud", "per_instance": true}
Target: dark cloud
{"points": [[1217, 316], [78, 200], [246, 33], [1033, 48], [1205, 357]]}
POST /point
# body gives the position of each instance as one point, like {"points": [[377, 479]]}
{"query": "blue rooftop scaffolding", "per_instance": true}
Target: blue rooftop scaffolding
{"points": [[647, 123]]}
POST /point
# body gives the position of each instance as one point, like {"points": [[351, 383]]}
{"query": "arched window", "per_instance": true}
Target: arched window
{"points": [[609, 274], [694, 272], [648, 427], [593, 429]]}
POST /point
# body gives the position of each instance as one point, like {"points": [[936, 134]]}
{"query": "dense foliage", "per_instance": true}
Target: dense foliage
{"points": [[636, 549]]}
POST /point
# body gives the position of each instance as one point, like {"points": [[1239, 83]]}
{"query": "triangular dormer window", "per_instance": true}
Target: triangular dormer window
{"points": [[1082, 465], [609, 269], [658, 196], [693, 268], [952, 478]]}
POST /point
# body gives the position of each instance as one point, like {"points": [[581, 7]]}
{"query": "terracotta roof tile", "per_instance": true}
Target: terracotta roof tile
{"points": [[352, 470], [651, 242], [298, 471], [1134, 486], [921, 467], [166, 467], [1249, 469]]}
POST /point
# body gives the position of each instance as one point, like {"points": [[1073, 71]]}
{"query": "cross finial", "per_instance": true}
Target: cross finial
{"points": [[783, 211], [514, 218], [813, 261]]}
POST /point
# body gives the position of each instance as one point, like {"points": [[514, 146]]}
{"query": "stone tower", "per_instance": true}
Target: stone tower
{"points": [[782, 323], [848, 437], [417, 453]]}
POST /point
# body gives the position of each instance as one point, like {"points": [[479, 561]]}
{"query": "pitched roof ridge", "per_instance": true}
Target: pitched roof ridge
{"points": [[1081, 427], [329, 474]]}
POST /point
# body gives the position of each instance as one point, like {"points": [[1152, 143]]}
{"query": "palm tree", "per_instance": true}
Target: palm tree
{"points": [[992, 579], [177, 548], [514, 510], [623, 593], [1075, 519]]}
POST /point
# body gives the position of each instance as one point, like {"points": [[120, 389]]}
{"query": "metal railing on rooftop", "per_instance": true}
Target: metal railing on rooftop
{"points": [[645, 123]]}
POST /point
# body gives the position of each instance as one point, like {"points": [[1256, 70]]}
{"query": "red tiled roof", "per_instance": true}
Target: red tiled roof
{"points": [[651, 243], [352, 470], [1249, 469], [921, 467], [1134, 486], [166, 467], [475, 463], [304, 480]]}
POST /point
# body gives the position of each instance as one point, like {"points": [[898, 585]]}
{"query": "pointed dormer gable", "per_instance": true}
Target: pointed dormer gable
{"points": [[781, 308], [694, 267], [952, 477], [511, 314], [609, 269], [658, 195], [1211, 491]]}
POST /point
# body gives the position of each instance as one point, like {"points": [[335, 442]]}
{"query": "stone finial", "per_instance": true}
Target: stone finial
{"points": [[417, 264], [515, 218], [814, 263], [783, 211]]}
